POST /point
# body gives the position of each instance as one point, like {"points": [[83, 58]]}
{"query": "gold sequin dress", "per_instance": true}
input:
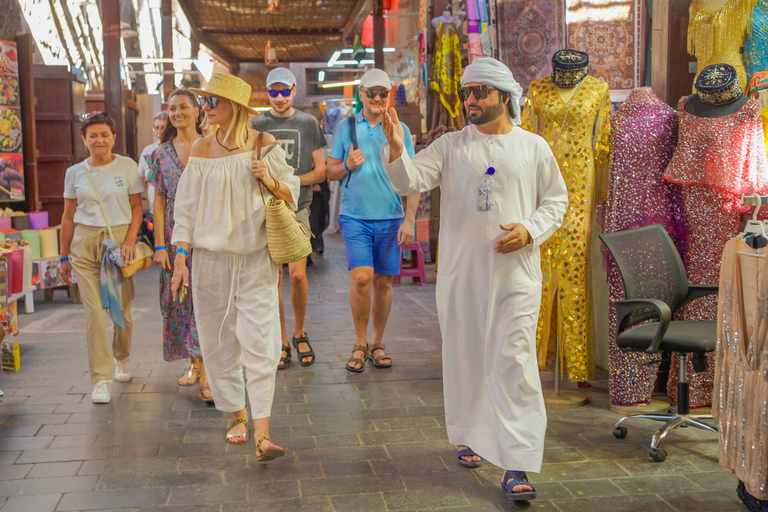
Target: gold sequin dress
{"points": [[740, 400], [717, 37], [716, 160], [446, 78], [565, 258]]}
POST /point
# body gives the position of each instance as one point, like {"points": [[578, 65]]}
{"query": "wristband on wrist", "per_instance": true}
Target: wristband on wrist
{"points": [[64, 259], [182, 251], [160, 248], [347, 168]]}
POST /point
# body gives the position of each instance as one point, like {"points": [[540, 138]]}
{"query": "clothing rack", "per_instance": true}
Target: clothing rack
{"points": [[752, 200]]}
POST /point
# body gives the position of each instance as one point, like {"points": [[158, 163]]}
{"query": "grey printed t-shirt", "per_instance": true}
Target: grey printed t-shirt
{"points": [[299, 135]]}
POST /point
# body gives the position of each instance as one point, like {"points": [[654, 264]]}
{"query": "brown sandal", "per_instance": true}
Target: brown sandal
{"points": [[270, 453], [188, 374], [202, 396], [375, 360], [358, 348], [241, 435]]}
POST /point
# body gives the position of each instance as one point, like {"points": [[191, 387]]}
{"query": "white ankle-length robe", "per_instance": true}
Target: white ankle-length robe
{"points": [[488, 303]]}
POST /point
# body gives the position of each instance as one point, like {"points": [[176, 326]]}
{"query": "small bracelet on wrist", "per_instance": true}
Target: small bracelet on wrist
{"points": [[277, 185], [64, 259], [160, 248], [182, 251], [347, 168]]}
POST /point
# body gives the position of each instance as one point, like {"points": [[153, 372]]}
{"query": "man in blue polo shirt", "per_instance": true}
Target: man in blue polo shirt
{"points": [[372, 220]]}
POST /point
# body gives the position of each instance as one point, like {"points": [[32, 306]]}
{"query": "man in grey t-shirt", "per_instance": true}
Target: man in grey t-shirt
{"points": [[302, 140]]}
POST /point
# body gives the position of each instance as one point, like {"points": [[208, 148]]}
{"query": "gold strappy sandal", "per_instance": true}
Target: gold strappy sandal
{"points": [[241, 435], [188, 374], [270, 453]]}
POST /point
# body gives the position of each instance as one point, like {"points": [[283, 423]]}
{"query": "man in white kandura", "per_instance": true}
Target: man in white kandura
{"points": [[502, 196]]}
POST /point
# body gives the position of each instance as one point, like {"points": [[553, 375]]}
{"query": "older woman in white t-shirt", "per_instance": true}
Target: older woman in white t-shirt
{"points": [[84, 228]]}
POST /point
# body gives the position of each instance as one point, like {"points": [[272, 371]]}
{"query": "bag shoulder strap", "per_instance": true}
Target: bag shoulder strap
{"points": [[259, 142], [101, 203], [353, 131]]}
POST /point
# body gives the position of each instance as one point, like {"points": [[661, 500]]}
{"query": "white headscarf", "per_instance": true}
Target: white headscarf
{"points": [[488, 71]]}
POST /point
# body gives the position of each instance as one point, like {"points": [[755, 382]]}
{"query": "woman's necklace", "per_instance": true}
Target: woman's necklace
{"points": [[222, 145]]}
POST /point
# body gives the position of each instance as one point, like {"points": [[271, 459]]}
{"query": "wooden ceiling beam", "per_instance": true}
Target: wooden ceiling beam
{"points": [[271, 31], [219, 51]]}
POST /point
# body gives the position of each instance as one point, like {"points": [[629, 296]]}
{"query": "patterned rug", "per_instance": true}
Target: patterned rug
{"points": [[529, 33]]}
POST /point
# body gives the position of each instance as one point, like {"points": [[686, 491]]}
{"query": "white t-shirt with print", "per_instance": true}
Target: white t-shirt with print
{"points": [[115, 181]]}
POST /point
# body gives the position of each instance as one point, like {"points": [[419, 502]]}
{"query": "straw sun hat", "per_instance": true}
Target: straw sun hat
{"points": [[229, 87]]}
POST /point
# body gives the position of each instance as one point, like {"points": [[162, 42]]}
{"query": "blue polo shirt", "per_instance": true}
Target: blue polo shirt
{"points": [[369, 195]]}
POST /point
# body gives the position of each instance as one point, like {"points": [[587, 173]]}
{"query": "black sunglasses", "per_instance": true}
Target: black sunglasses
{"points": [[97, 113], [212, 101], [381, 94], [274, 92], [480, 92]]}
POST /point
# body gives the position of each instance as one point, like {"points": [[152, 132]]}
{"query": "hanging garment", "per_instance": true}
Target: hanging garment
{"points": [[446, 75], [565, 258], [740, 398], [756, 42], [488, 303], [643, 139], [180, 339], [716, 160], [717, 37]]}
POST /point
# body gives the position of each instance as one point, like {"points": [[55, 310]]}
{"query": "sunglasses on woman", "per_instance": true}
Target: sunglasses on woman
{"points": [[479, 91], [274, 92], [372, 94], [212, 101]]}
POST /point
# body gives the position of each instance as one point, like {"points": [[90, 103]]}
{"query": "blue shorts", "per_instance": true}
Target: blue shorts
{"points": [[372, 243]]}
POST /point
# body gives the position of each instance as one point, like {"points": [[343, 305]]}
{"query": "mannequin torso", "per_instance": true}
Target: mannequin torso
{"points": [[446, 17]]}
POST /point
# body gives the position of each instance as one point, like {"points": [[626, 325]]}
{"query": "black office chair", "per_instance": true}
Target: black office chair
{"points": [[655, 286]]}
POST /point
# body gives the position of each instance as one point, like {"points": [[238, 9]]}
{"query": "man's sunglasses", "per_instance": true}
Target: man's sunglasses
{"points": [[479, 91], [381, 94], [212, 101], [273, 93]]}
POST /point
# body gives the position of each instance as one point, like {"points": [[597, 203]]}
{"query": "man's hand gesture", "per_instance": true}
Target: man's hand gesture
{"points": [[516, 239], [393, 131]]}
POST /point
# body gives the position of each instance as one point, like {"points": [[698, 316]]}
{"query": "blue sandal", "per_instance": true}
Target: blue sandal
{"points": [[513, 479], [467, 452]]}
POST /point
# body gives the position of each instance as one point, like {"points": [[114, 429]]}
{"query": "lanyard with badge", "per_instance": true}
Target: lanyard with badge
{"points": [[485, 192]]}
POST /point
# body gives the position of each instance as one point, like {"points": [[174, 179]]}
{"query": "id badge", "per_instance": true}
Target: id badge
{"points": [[485, 197]]}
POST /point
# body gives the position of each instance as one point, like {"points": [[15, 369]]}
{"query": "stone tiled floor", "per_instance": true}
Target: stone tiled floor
{"points": [[356, 442]]}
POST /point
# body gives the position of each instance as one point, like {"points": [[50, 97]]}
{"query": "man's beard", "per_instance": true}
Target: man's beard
{"points": [[487, 115]]}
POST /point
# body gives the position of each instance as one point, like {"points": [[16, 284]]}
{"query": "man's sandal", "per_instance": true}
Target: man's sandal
{"points": [[191, 371], [269, 453], [235, 438], [353, 359], [285, 360], [467, 452], [375, 360], [308, 353], [202, 395], [514, 478]]}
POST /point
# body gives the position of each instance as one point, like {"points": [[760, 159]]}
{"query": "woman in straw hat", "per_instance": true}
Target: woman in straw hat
{"points": [[219, 214]]}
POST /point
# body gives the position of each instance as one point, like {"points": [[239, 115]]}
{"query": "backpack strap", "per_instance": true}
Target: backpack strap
{"points": [[353, 136]]}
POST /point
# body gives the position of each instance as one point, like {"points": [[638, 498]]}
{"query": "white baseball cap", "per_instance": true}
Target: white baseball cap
{"points": [[375, 78], [281, 76]]}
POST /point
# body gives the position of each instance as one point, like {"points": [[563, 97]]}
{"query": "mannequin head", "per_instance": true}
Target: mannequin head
{"points": [[718, 84], [569, 68]]}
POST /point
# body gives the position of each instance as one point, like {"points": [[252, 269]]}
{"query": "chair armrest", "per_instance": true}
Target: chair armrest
{"points": [[625, 307], [697, 291]]}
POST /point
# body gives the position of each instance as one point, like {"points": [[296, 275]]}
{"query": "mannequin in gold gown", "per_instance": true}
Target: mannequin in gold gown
{"points": [[564, 109]]}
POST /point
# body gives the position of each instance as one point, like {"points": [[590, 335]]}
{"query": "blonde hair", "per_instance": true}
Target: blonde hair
{"points": [[238, 123]]}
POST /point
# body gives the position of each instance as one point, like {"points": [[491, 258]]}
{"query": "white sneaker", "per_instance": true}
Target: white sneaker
{"points": [[102, 392], [123, 370]]}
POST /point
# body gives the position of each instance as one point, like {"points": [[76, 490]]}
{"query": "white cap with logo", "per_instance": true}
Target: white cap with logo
{"points": [[281, 76], [375, 78]]}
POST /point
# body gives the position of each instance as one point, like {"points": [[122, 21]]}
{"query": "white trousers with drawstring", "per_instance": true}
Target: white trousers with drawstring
{"points": [[238, 321]]}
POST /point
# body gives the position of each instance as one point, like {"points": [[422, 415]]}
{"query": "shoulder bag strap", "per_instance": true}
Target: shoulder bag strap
{"points": [[353, 136], [269, 148], [101, 203]]}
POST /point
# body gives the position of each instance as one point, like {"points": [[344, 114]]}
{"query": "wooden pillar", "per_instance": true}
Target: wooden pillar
{"points": [[378, 33], [169, 80], [114, 103], [671, 78], [25, 46]]}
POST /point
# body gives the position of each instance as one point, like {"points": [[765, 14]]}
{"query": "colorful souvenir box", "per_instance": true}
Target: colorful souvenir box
{"points": [[47, 274]]}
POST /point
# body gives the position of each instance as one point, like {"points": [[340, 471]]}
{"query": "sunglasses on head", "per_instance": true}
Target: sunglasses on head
{"points": [[381, 94], [273, 93], [479, 91], [212, 101], [97, 113]]}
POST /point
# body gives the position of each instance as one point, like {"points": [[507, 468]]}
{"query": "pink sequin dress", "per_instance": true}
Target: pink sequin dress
{"points": [[716, 160], [643, 138]]}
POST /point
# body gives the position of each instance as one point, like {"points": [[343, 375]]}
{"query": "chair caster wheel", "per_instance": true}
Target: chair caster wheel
{"points": [[658, 455], [620, 432]]}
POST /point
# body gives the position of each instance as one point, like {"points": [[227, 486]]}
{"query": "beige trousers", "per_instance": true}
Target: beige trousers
{"points": [[86, 251]]}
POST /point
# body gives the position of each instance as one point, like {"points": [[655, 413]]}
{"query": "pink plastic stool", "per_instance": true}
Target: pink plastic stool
{"points": [[416, 268]]}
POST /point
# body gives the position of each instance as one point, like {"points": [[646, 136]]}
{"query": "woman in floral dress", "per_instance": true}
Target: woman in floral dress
{"points": [[167, 163]]}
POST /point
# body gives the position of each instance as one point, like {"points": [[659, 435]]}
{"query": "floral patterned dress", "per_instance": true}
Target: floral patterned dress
{"points": [[180, 340]]}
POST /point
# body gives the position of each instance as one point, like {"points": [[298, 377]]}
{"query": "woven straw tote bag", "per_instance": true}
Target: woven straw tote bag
{"points": [[287, 239]]}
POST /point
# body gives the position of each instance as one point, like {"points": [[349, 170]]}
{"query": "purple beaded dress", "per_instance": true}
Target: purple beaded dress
{"points": [[643, 138]]}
